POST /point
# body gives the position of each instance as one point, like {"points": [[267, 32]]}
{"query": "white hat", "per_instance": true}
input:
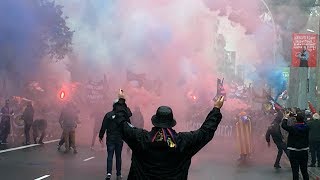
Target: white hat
{"points": [[316, 116]]}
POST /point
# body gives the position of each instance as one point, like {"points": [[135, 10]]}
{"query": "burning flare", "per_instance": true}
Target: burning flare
{"points": [[62, 95]]}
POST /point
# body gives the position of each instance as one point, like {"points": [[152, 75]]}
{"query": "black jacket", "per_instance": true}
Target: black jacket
{"points": [[314, 130], [28, 114], [298, 138], [155, 161], [109, 122], [275, 132]]}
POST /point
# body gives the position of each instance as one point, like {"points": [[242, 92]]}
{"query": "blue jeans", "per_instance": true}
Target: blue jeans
{"points": [[117, 149]]}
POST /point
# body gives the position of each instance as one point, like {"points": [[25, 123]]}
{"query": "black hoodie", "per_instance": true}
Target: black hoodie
{"points": [[109, 122], [298, 138]]}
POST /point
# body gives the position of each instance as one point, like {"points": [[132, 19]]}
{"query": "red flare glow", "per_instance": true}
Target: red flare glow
{"points": [[62, 95]]}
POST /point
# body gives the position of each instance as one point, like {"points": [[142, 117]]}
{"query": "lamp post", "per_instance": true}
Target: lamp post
{"points": [[274, 31]]}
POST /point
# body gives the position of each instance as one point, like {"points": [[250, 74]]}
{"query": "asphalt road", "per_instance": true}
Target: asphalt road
{"points": [[46, 162]]}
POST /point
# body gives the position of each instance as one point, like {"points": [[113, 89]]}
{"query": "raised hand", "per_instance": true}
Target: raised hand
{"points": [[121, 94], [219, 102]]}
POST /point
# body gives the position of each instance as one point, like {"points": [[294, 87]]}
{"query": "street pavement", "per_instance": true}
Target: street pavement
{"points": [[213, 163]]}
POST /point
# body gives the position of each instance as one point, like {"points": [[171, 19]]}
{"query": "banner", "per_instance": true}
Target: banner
{"points": [[304, 50], [95, 91]]}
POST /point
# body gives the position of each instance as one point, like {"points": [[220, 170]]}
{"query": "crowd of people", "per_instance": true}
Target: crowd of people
{"points": [[163, 153], [301, 138]]}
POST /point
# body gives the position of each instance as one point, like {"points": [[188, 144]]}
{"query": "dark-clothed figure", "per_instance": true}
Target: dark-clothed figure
{"points": [[39, 127], [114, 137], [68, 121], [97, 117], [5, 124], [163, 153], [27, 117], [303, 56], [314, 139], [298, 145], [137, 118], [275, 132]]}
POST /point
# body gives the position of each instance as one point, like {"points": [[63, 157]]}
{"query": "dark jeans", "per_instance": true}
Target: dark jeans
{"points": [[117, 149], [27, 127], [315, 152], [303, 63], [299, 160], [281, 147], [5, 129]]}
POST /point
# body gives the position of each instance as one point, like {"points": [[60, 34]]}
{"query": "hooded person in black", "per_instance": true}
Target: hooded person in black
{"points": [[114, 135], [5, 123], [27, 117], [314, 139], [298, 144], [162, 153], [275, 132]]}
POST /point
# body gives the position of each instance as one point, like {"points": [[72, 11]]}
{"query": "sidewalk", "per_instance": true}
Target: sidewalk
{"points": [[314, 172]]}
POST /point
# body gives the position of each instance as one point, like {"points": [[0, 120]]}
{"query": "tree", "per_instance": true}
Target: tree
{"points": [[30, 31]]}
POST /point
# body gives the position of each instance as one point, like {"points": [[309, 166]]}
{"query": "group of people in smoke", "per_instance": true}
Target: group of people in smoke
{"points": [[163, 153], [303, 129], [38, 126]]}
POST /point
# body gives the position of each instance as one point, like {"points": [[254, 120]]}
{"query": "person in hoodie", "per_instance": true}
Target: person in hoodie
{"points": [[162, 153], [27, 117], [114, 137], [314, 139], [298, 145], [275, 132]]}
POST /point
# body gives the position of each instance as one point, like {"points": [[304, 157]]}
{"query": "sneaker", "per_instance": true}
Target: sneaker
{"points": [[91, 148], [277, 166], [75, 151], [312, 165], [108, 176], [40, 142], [119, 177]]}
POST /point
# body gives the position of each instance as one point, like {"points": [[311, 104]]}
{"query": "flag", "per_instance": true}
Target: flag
{"points": [[244, 135], [141, 78], [220, 90]]}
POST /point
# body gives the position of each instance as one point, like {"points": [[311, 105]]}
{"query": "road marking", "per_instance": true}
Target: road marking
{"points": [[88, 159], [47, 142], [27, 146], [42, 177]]}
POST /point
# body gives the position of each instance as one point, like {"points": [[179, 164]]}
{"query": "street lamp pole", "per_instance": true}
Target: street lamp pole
{"points": [[274, 31]]}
